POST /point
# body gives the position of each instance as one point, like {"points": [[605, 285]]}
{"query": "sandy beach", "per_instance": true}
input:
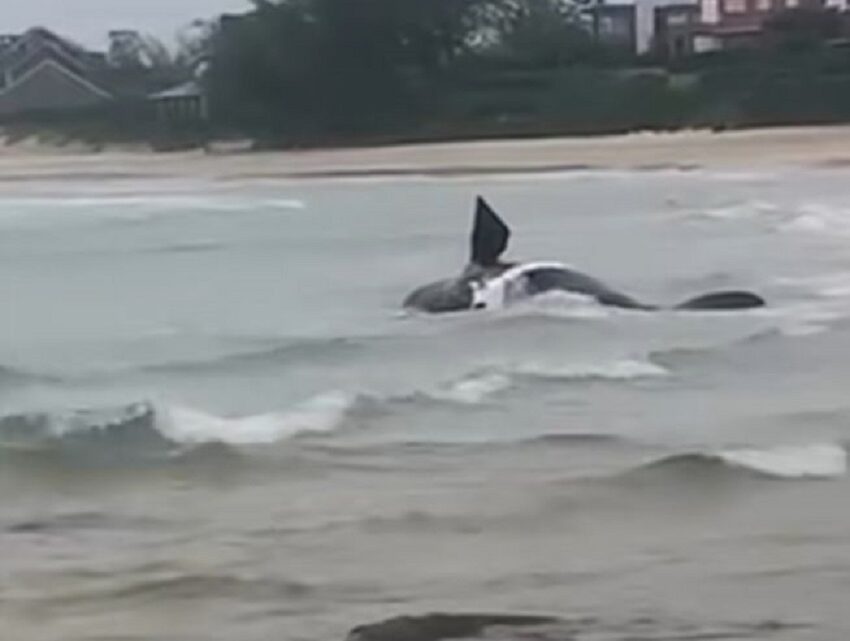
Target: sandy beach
{"points": [[797, 146]]}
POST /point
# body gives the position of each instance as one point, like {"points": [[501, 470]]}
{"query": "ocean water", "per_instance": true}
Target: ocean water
{"points": [[216, 423]]}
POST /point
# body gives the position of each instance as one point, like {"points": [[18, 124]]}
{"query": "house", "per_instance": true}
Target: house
{"points": [[675, 29], [184, 103], [614, 26], [646, 26], [730, 24], [43, 72]]}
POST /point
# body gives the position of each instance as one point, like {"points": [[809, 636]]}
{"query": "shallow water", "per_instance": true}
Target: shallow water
{"points": [[216, 424]]}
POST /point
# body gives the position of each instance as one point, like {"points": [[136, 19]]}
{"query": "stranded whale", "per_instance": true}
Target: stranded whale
{"points": [[489, 283]]}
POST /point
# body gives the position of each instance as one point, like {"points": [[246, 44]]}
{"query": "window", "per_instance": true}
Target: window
{"points": [[764, 5], [735, 6]]}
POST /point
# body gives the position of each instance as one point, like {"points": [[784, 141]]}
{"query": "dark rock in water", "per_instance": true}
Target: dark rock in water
{"points": [[435, 627]]}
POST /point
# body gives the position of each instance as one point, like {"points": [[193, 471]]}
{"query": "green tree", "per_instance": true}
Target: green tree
{"points": [[334, 65], [546, 33]]}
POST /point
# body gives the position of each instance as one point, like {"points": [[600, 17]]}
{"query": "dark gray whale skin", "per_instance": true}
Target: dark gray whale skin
{"points": [[490, 239], [438, 626], [448, 295]]}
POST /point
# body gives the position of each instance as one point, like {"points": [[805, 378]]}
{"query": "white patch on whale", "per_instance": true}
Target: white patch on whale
{"points": [[509, 287]]}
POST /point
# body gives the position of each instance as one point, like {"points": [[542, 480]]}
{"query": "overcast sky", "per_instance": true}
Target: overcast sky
{"points": [[87, 21]]}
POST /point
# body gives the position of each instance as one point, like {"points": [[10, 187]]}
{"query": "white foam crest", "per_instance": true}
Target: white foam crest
{"points": [[65, 423], [320, 414], [619, 370], [286, 203], [739, 211], [477, 388], [819, 460], [819, 219], [473, 389]]}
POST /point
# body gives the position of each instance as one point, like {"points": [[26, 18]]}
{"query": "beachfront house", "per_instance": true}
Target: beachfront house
{"points": [[43, 72], [642, 27], [674, 28], [186, 102], [730, 24]]}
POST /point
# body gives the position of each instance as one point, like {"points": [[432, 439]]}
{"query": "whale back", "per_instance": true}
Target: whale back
{"points": [[447, 295], [723, 301]]}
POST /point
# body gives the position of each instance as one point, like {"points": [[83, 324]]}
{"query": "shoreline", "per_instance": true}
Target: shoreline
{"points": [[815, 147]]}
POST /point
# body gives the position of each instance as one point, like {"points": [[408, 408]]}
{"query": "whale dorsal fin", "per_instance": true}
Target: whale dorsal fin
{"points": [[490, 235]]}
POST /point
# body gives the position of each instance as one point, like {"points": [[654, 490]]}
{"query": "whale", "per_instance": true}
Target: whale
{"points": [[489, 282]]}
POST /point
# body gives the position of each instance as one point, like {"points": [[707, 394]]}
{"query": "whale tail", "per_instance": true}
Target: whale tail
{"points": [[490, 235], [723, 301]]}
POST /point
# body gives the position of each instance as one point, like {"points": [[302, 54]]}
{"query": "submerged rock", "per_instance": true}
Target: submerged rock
{"points": [[435, 627]]}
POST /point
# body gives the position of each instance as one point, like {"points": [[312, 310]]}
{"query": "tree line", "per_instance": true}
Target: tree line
{"points": [[336, 67], [326, 71], [335, 72]]}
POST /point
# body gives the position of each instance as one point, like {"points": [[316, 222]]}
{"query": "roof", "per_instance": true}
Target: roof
{"points": [[48, 87], [19, 51]]}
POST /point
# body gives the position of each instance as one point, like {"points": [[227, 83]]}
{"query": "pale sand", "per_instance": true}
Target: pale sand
{"points": [[796, 146]]}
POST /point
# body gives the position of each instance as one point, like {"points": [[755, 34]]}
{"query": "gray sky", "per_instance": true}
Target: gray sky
{"points": [[87, 21]]}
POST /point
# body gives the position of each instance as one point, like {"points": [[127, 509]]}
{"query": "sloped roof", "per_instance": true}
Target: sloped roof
{"points": [[44, 71], [19, 48], [50, 86]]}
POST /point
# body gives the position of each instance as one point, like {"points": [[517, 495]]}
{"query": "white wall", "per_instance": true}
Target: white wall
{"points": [[710, 11]]}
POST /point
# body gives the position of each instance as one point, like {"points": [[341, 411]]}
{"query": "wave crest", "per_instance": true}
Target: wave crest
{"points": [[814, 461], [320, 414], [480, 386], [147, 431]]}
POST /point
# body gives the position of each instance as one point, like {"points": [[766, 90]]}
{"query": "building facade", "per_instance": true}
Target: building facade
{"points": [[675, 28], [43, 72], [730, 24]]}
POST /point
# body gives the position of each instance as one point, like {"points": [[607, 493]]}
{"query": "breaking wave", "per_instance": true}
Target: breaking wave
{"points": [[480, 386], [320, 414], [145, 433], [618, 370], [470, 390], [148, 429], [818, 219], [813, 461]]}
